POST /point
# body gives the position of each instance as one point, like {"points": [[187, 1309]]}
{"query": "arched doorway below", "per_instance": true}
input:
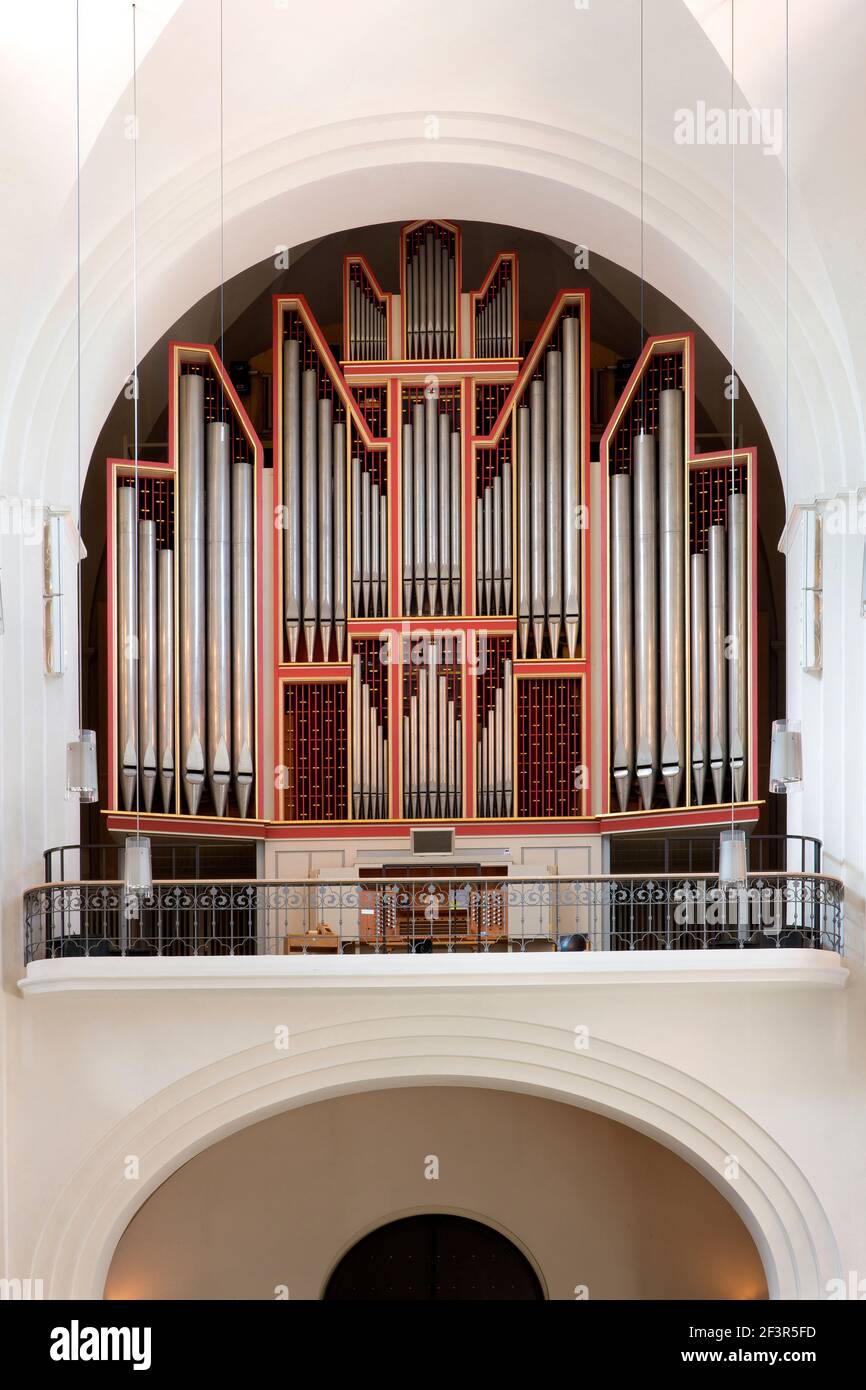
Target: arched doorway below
{"points": [[434, 1258]]}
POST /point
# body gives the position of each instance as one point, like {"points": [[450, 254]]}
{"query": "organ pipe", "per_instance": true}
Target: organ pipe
{"points": [[698, 613], [408, 518], [672, 591], [127, 641], [537, 406], [165, 643], [243, 647], [524, 536], [191, 564], [309, 490], [553, 496], [326, 524], [292, 493], [147, 658], [717, 629], [621, 637], [340, 570], [738, 660], [218, 599], [570, 480], [645, 616]]}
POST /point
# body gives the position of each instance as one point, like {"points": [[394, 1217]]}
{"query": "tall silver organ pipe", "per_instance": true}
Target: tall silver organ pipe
{"points": [[326, 523], [621, 637], [127, 627], [383, 554], [645, 616], [366, 542], [494, 749], [553, 496], [370, 524], [340, 567], [431, 511], [368, 324], [191, 566], [165, 642], [375, 546], [698, 615], [524, 539], [508, 736], [738, 659], [369, 747], [147, 659], [243, 647], [420, 495], [537, 510], [127, 644], [507, 534], [356, 534], [356, 735], [431, 738], [408, 518], [431, 296], [480, 546], [456, 512], [292, 493], [717, 632], [672, 595], [493, 318], [496, 525], [547, 452], [487, 521], [570, 480], [309, 491], [218, 614], [445, 511]]}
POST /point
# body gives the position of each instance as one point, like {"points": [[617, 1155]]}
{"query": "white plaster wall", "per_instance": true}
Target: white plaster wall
{"points": [[778, 1067], [592, 1203]]}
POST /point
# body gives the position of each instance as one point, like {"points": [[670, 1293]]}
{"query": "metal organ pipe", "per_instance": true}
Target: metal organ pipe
{"points": [[366, 541], [445, 510], [672, 591], [553, 496], [310, 529], [717, 630], [127, 643], [537, 513], [433, 514], [645, 616], [570, 483], [165, 642], [326, 524], [738, 658], [420, 494], [218, 614], [147, 658], [191, 554], [292, 493], [698, 613], [408, 518], [339, 462], [375, 546], [243, 654], [621, 637], [508, 736], [456, 535], [524, 536], [357, 765]]}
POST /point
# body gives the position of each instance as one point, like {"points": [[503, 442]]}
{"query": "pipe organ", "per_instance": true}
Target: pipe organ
{"points": [[680, 566], [437, 653]]}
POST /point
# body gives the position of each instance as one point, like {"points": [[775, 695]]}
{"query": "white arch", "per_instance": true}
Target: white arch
{"points": [[771, 1194]]}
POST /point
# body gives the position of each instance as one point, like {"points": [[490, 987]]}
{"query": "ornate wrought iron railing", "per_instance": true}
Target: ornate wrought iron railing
{"points": [[317, 917]]}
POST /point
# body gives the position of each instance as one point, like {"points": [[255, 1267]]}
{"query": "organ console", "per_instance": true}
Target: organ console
{"points": [[437, 650]]}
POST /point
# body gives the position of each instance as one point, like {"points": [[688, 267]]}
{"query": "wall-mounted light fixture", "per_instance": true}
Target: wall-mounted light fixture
{"points": [[54, 656]]}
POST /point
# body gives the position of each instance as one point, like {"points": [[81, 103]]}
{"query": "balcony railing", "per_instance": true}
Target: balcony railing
{"points": [[316, 917]]}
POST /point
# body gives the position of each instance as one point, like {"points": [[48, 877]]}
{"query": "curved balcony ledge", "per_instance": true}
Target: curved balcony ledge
{"points": [[774, 966]]}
